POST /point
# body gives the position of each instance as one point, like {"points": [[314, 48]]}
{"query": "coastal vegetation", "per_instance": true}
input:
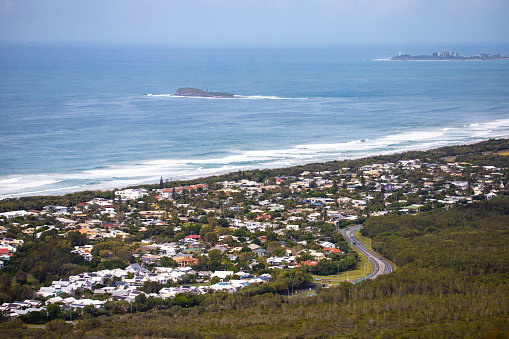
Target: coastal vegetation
{"points": [[441, 216], [452, 282]]}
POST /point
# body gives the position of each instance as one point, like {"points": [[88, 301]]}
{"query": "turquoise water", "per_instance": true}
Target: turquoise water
{"points": [[76, 117]]}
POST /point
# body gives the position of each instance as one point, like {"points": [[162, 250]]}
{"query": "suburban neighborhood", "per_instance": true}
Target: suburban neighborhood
{"points": [[223, 236]]}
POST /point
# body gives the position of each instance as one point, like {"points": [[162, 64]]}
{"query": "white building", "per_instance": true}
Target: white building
{"points": [[132, 194]]}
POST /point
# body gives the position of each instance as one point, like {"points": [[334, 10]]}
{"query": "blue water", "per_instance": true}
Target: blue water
{"points": [[77, 116]]}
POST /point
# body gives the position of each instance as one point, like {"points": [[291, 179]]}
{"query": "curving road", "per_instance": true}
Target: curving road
{"points": [[380, 265]]}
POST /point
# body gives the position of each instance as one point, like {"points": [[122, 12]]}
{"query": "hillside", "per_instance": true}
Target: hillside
{"points": [[442, 216], [452, 282], [439, 293]]}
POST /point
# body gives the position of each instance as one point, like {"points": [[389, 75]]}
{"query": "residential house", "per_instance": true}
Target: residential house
{"points": [[132, 193], [186, 261]]}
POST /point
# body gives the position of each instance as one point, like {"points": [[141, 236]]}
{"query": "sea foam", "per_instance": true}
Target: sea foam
{"points": [[295, 106], [243, 97], [119, 176]]}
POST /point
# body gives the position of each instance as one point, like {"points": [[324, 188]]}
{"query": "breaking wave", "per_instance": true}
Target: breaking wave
{"points": [[119, 176], [243, 97]]}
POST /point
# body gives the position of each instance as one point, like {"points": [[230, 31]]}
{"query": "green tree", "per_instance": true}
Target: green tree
{"points": [[54, 311], [211, 238], [271, 246], [246, 257], [305, 256], [77, 239], [21, 277], [152, 287], [167, 262], [215, 255], [279, 251], [204, 230]]}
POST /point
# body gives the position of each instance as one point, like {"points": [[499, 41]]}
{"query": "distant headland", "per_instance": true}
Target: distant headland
{"points": [[194, 92], [450, 56]]}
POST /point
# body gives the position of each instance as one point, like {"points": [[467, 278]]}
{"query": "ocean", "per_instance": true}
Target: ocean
{"points": [[83, 116]]}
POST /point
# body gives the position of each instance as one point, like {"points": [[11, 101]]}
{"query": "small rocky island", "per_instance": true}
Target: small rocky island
{"points": [[194, 92]]}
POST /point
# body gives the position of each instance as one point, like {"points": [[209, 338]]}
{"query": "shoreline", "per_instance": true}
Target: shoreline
{"points": [[107, 188]]}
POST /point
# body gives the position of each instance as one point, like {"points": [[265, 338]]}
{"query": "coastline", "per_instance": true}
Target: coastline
{"points": [[447, 59], [450, 56], [214, 173], [330, 104]]}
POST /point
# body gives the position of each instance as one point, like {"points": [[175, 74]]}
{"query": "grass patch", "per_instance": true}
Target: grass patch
{"points": [[335, 279], [31, 281], [449, 159], [369, 265], [504, 152], [34, 326], [364, 240]]}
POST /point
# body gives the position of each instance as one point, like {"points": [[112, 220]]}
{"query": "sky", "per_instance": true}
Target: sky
{"points": [[255, 21]]}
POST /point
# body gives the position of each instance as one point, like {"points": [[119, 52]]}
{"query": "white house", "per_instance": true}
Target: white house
{"points": [[221, 274], [14, 214], [132, 193], [293, 227]]}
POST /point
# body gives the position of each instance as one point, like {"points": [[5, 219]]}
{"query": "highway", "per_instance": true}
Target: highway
{"points": [[380, 265]]}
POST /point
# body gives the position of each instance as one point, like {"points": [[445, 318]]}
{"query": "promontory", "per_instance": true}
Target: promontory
{"points": [[445, 55]]}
